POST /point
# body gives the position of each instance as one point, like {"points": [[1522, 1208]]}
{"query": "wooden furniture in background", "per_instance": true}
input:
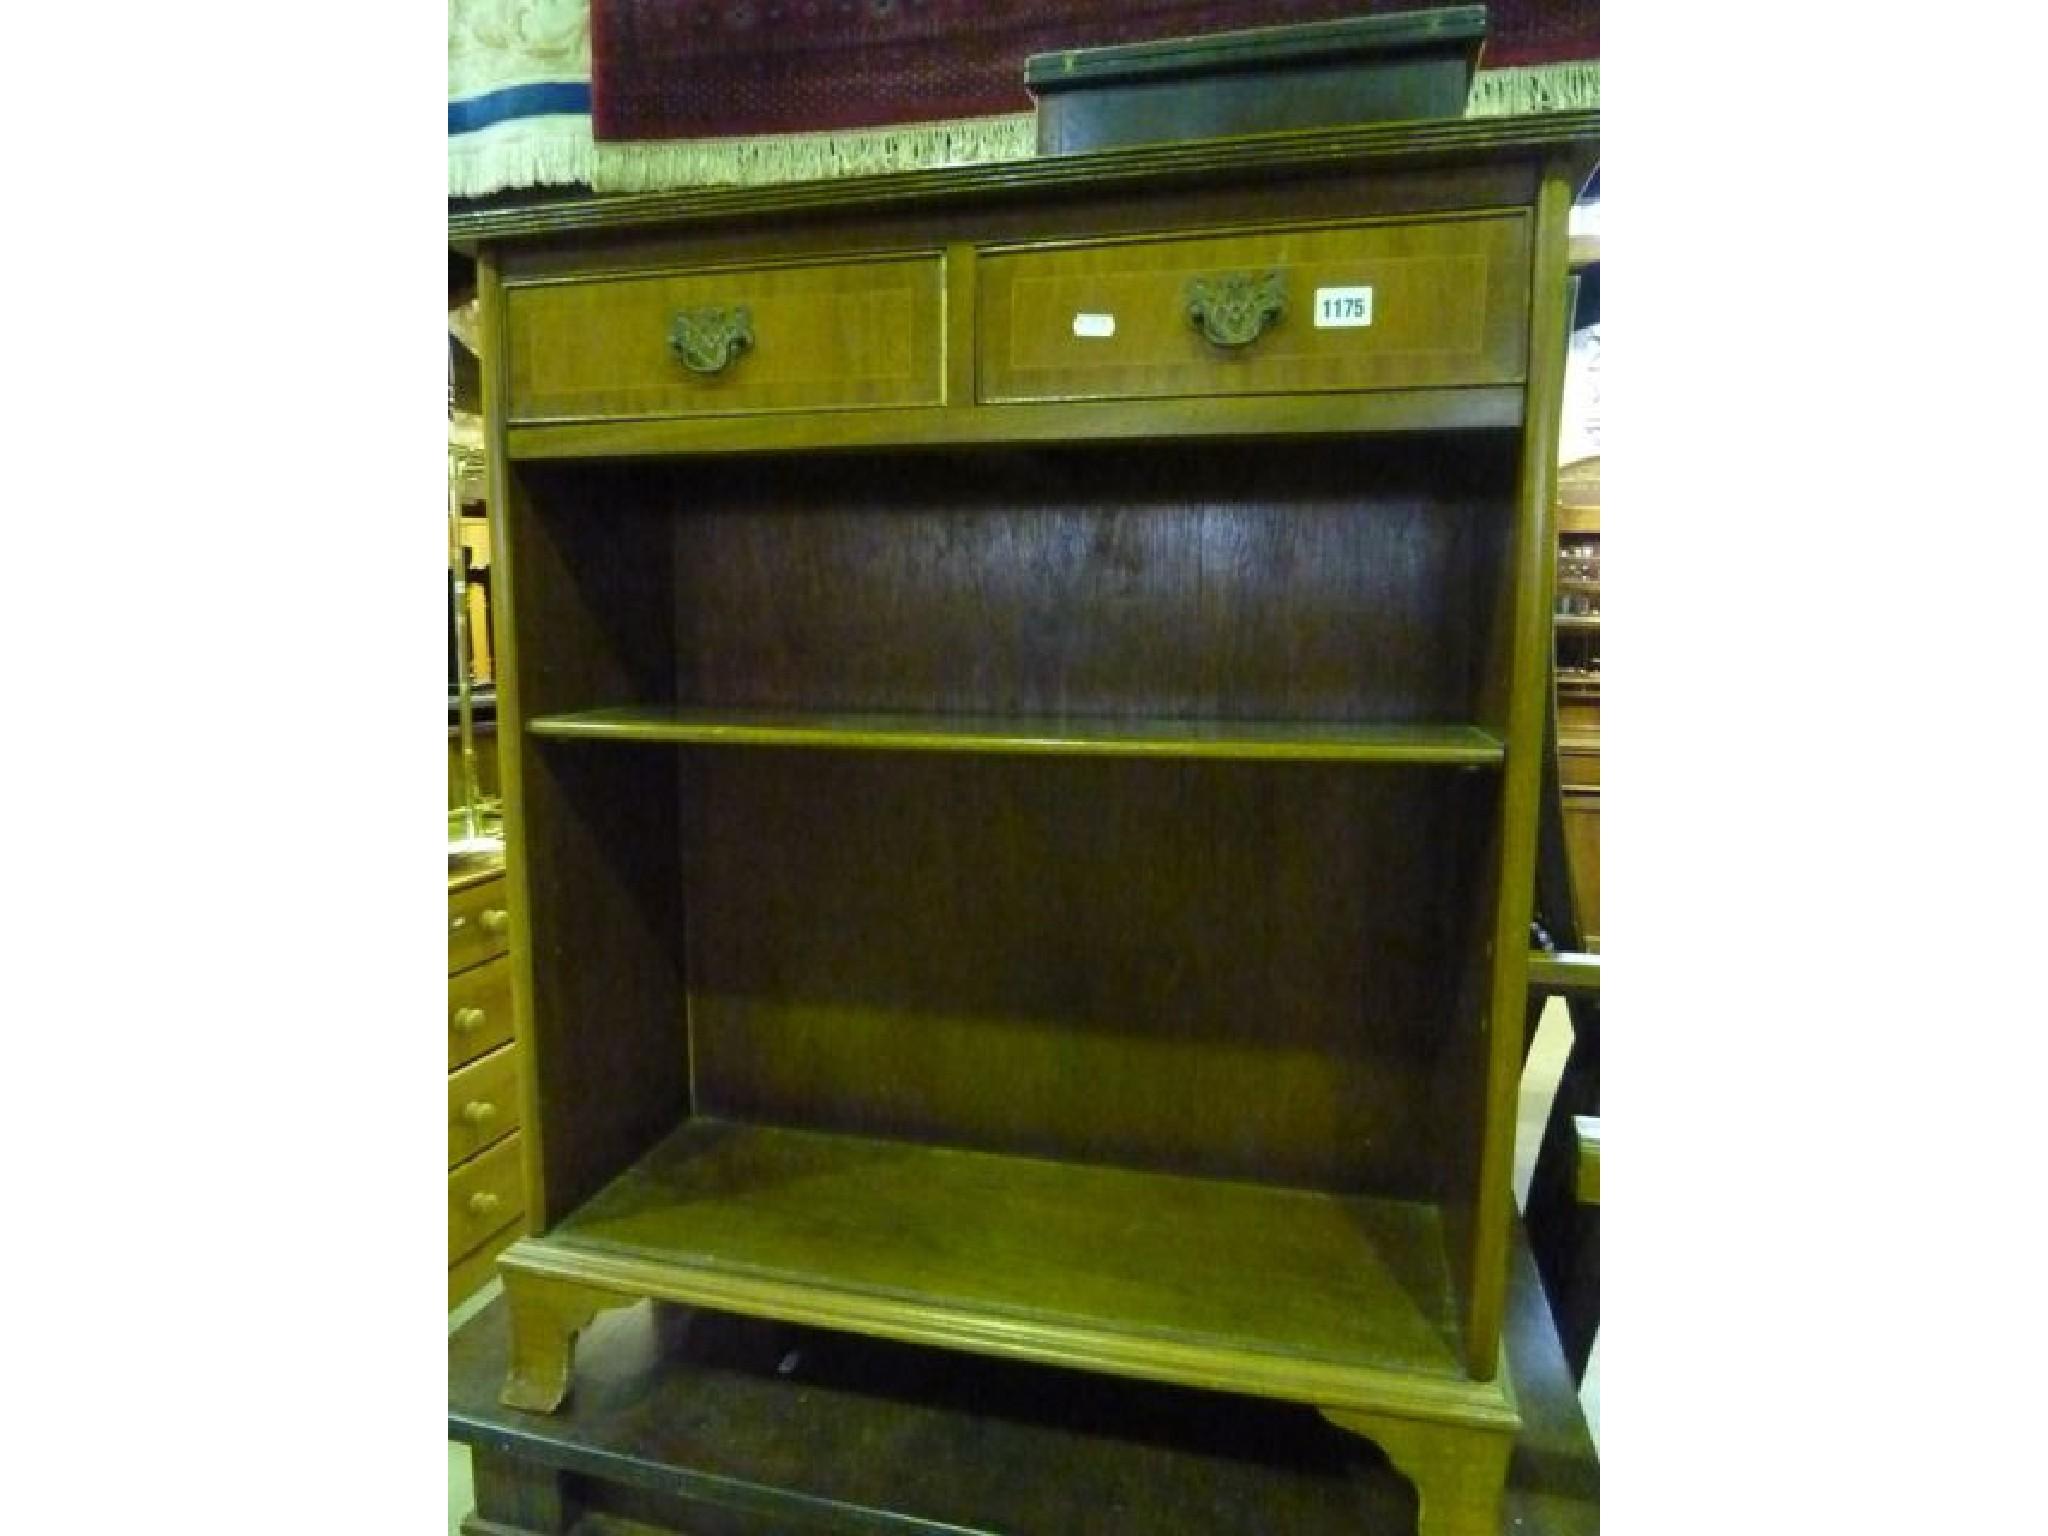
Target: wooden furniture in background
{"points": [[486, 1184], [1578, 683], [1054, 883], [690, 1421], [486, 765], [1562, 1210]]}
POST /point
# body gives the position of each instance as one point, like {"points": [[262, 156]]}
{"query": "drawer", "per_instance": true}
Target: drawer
{"points": [[1578, 768], [485, 1195], [1433, 302], [847, 335], [479, 1011], [483, 1102], [479, 926], [1582, 855]]}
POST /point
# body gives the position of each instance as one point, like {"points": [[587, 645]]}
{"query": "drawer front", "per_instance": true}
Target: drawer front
{"points": [[854, 334], [1578, 711], [484, 1197], [479, 1011], [1175, 317], [1582, 854], [1578, 768], [479, 926], [483, 1103]]}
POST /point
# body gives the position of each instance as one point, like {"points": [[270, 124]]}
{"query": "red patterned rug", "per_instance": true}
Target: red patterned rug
{"points": [[696, 69]]}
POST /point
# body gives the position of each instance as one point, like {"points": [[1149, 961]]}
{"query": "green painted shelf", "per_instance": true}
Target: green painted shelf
{"points": [[1465, 746]]}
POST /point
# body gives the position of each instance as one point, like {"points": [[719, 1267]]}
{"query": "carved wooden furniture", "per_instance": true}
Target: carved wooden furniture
{"points": [[690, 1421], [1022, 811], [486, 1187]]}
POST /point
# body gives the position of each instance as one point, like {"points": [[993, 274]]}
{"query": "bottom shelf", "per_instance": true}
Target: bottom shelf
{"points": [[1288, 1293]]}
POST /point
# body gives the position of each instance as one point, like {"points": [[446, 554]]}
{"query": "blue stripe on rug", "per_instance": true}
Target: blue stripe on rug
{"points": [[474, 112]]}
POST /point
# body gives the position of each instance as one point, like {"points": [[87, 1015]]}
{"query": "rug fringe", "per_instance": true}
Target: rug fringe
{"points": [[529, 152], [1534, 88], [652, 165]]}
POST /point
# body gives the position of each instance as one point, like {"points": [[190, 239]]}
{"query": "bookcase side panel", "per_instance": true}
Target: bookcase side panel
{"points": [[598, 834], [1481, 1270]]}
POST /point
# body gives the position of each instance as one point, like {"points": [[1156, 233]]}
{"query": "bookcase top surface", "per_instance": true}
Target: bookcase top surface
{"points": [[1360, 146]]}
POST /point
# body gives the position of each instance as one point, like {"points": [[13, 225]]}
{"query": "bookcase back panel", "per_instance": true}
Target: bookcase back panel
{"points": [[1222, 968], [1305, 581], [605, 1024]]}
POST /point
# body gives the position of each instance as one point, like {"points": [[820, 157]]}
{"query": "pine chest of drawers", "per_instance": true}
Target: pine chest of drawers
{"points": [[486, 1189]]}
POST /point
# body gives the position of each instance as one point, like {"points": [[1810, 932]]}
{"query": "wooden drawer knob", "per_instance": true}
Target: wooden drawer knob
{"points": [[482, 1203], [496, 920], [468, 1019], [479, 1111]]}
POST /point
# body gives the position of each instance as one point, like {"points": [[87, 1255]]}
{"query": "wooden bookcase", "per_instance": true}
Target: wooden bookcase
{"points": [[1022, 753]]}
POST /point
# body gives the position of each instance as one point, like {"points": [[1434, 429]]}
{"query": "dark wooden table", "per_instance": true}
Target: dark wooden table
{"points": [[714, 1425]]}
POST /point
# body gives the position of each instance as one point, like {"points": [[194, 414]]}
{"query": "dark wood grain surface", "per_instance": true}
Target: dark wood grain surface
{"points": [[1334, 580], [1214, 967]]}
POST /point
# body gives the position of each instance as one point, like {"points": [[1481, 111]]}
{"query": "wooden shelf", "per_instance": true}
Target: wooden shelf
{"points": [[1567, 971], [1214, 1283], [1583, 621], [1050, 736]]}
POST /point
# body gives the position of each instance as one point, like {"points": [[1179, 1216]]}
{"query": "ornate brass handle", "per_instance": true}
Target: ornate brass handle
{"points": [[482, 1203], [479, 1111], [467, 1019], [708, 340], [1234, 308]]}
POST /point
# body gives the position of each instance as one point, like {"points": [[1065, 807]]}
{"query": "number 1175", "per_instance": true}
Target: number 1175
{"points": [[1343, 306]]}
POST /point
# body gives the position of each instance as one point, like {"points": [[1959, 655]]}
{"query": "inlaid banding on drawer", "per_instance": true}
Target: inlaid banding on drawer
{"points": [[844, 335], [1414, 303]]}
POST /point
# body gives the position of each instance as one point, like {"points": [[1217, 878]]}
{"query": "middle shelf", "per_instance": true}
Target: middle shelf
{"points": [[1457, 745]]}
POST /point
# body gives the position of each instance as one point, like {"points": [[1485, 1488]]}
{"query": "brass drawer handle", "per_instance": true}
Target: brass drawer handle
{"points": [[467, 1019], [496, 920], [482, 1203], [710, 340], [1233, 309], [479, 1111]]}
